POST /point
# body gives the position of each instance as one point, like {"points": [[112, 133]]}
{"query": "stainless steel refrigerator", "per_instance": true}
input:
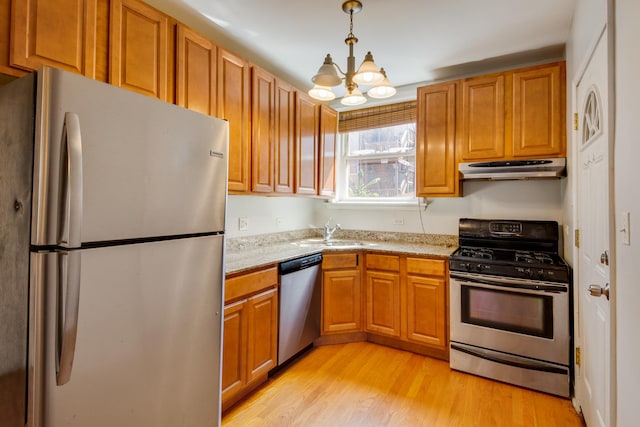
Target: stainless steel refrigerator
{"points": [[111, 242]]}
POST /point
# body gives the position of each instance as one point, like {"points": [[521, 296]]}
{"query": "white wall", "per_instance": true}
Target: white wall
{"points": [[627, 199], [482, 199], [269, 214], [540, 199]]}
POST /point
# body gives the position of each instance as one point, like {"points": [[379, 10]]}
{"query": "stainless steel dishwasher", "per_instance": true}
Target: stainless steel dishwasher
{"points": [[299, 310]]}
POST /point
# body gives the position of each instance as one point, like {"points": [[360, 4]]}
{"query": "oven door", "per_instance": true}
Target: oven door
{"points": [[522, 317]]}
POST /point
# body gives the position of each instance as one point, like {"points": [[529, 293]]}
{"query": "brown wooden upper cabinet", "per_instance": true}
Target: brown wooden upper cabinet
{"points": [[140, 49], [285, 137], [263, 87], [196, 71], [503, 116], [515, 114], [481, 122], [537, 108], [234, 106], [328, 139], [436, 173], [307, 126], [59, 33]]}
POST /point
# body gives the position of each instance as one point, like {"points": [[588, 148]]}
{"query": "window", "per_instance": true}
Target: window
{"points": [[380, 163], [377, 154]]}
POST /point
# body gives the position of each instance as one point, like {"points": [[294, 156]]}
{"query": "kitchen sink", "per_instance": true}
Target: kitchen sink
{"points": [[331, 243]]}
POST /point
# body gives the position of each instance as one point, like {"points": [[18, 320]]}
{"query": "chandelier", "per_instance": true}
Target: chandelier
{"points": [[368, 74]]}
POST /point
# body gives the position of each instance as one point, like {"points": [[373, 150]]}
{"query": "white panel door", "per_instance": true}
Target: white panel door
{"points": [[593, 376]]}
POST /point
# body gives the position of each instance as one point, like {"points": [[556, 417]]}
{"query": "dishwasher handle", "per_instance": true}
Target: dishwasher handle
{"points": [[298, 264]]}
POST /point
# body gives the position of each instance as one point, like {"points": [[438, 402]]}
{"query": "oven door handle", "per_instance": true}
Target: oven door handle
{"points": [[503, 282], [518, 364]]}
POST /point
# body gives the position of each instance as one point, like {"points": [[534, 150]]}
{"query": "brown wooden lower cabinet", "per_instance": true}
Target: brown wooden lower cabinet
{"points": [[341, 293], [426, 308], [249, 349], [404, 300]]}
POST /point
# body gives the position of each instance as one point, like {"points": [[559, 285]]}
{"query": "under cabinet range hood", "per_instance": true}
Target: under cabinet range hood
{"points": [[513, 169]]}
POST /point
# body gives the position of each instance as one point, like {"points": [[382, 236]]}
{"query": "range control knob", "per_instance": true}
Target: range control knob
{"points": [[479, 267]]}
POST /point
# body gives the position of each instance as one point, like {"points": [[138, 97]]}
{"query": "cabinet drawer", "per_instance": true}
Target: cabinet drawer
{"points": [[428, 267], [383, 262], [335, 261], [250, 283]]}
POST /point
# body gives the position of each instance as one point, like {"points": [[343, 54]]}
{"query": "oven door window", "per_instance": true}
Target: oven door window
{"points": [[508, 310]]}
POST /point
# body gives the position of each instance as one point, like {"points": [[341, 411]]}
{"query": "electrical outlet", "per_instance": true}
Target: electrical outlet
{"points": [[398, 221], [243, 224], [280, 222]]}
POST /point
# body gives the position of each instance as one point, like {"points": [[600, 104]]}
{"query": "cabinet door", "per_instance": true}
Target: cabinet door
{"points": [[306, 145], [538, 99], [233, 106], [59, 33], [328, 137], [285, 137], [383, 303], [341, 301], [436, 172], [139, 49], [482, 118], [263, 86], [234, 372], [196, 66], [262, 333], [426, 311]]}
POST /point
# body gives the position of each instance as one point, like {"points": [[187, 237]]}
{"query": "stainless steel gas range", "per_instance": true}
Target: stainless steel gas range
{"points": [[510, 304]]}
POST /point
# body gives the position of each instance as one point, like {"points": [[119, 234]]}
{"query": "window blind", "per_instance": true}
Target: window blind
{"points": [[377, 117]]}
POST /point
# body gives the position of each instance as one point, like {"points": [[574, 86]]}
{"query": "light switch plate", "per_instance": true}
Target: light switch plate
{"points": [[625, 228]]}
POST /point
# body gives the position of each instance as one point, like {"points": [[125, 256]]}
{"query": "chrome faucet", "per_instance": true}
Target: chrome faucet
{"points": [[328, 230]]}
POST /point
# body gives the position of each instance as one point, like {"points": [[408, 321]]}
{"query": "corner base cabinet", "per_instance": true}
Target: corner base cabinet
{"points": [[341, 293]]}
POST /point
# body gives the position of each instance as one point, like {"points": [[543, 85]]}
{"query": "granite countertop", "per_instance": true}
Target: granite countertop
{"points": [[248, 253]]}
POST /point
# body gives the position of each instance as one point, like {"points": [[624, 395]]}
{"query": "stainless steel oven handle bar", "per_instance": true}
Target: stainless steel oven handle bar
{"points": [[70, 270], [499, 282]]}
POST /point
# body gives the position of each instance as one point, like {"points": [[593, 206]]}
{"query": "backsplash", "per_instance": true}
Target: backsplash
{"points": [[251, 242]]}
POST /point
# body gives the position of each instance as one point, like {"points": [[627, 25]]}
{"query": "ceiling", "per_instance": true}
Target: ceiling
{"points": [[416, 41]]}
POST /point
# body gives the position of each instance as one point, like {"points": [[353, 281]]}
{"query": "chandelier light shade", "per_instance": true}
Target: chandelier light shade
{"points": [[382, 89], [368, 74]]}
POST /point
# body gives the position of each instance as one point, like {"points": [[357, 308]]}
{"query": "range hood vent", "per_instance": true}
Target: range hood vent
{"points": [[513, 169]]}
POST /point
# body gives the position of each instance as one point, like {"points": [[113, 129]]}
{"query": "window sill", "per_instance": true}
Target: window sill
{"points": [[377, 205]]}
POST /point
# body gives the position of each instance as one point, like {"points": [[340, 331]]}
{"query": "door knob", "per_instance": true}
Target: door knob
{"points": [[598, 291]]}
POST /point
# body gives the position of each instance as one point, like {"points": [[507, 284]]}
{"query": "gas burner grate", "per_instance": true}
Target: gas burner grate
{"points": [[481, 253], [533, 257]]}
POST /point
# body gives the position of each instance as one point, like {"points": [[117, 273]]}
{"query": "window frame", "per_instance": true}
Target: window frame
{"points": [[342, 159]]}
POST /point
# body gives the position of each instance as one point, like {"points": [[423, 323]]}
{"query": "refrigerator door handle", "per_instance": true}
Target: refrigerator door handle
{"points": [[68, 306], [71, 218], [70, 237]]}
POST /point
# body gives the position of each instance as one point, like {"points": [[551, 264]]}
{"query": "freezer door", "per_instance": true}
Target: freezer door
{"points": [[147, 350], [112, 164]]}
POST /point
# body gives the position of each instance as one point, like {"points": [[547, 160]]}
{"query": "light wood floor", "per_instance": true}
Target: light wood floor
{"points": [[364, 384]]}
